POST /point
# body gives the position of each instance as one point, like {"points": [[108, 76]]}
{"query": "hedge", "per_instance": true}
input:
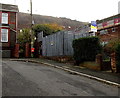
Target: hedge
{"points": [[117, 50], [86, 49]]}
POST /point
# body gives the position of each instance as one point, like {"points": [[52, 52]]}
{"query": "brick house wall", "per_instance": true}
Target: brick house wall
{"points": [[109, 28], [111, 34], [10, 26]]}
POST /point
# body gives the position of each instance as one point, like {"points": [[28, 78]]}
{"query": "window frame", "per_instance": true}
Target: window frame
{"points": [[5, 20], [7, 31], [102, 32]]}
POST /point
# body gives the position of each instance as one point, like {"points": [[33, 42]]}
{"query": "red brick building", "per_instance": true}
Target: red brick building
{"points": [[8, 28], [108, 28]]}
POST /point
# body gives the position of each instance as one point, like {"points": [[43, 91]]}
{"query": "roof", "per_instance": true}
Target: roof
{"points": [[109, 18], [8, 7]]}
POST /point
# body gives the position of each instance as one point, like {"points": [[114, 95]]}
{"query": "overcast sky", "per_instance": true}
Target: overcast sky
{"points": [[81, 10]]}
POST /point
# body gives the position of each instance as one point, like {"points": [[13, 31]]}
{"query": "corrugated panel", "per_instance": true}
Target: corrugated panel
{"points": [[60, 43]]}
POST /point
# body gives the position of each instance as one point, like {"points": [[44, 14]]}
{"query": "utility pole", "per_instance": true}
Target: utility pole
{"points": [[31, 13], [31, 19]]}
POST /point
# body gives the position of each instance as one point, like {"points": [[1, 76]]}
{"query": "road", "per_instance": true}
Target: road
{"points": [[31, 79]]}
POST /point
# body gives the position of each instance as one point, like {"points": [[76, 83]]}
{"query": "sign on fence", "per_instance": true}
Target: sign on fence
{"points": [[93, 26]]}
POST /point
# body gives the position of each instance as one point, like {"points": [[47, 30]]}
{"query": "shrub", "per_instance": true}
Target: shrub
{"points": [[86, 49], [110, 47]]}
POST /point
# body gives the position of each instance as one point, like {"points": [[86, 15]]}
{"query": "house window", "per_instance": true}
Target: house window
{"points": [[103, 32], [4, 18], [4, 35], [113, 29]]}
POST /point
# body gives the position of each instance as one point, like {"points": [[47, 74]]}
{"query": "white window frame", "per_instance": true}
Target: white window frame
{"points": [[4, 18], [4, 33]]}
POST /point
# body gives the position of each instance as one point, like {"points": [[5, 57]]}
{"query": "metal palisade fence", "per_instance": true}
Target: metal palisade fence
{"points": [[60, 43]]}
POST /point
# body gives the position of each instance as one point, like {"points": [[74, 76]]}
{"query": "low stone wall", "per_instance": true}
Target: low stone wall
{"points": [[91, 65], [62, 59], [99, 63], [6, 53]]}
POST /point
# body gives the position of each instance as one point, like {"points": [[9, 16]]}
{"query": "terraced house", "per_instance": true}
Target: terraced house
{"points": [[108, 28], [8, 28]]}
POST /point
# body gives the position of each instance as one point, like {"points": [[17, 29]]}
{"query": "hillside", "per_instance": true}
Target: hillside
{"points": [[24, 21]]}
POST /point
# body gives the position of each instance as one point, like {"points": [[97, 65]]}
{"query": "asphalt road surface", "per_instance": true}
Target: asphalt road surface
{"points": [[30, 79]]}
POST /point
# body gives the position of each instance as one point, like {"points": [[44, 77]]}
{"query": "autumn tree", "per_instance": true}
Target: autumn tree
{"points": [[25, 36], [54, 27], [47, 29]]}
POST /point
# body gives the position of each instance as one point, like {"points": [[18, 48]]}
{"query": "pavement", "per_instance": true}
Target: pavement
{"points": [[103, 76]]}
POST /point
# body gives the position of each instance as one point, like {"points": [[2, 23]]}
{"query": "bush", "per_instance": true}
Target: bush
{"points": [[117, 50], [86, 49], [112, 44]]}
